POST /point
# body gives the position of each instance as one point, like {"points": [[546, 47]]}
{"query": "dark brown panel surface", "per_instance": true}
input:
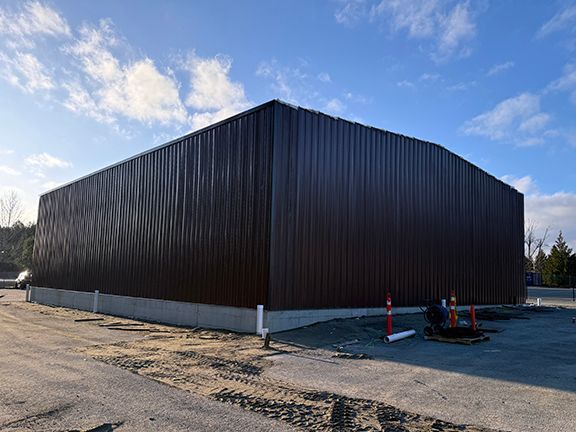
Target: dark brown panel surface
{"points": [[188, 221], [290, 208], [359, 211]]}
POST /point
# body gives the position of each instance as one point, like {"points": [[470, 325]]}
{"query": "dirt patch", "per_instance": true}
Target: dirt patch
{"points": [[229, 367]]}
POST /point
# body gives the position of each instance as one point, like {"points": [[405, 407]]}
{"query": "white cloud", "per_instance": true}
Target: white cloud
{"points": [[335, 106], [324, 77], [555, 210], [212, 93], [455, 29], [51, 185], [5, 169], [567, 82], [563, 20], [211, 87], [45, 160], [25, 72], [429, 77], [524, 184], [406, 84], [535, 123], [289, 83], [6, 151], [462, 86], [136, 90], [350, 12], [517, 119], [31, 19], [501, 67], [450, 28]]}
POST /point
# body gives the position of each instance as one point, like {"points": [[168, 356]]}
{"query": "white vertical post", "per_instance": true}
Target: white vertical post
{"points": [[95, 307], [259, 319], [443, 303], [27, 292]]}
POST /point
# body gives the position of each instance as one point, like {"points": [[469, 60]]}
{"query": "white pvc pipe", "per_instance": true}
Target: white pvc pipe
{"points": [[443, 303], [399, 336], [259, 319], [95, 307], [538, 301], [264, 332]]}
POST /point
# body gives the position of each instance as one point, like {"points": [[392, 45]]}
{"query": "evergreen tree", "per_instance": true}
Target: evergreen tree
{"points": [[540, 261], [556, 269]]}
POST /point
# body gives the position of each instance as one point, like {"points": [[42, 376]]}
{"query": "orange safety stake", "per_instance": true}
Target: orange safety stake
{"points": [[452, 309], [389, 312], [473, 317]]}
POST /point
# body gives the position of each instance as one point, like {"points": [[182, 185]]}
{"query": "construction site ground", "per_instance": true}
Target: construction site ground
{"points": [[65, 370]]}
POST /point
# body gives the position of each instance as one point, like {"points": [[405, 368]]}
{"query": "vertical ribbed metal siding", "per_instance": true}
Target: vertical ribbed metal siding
{"points": [[188, 221], [359, 211]]}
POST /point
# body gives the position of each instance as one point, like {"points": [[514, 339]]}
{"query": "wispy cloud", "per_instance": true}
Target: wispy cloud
{"points": [[350, 12], [24, 70], [5, 169], [22, 24], [298, 84], [566, 83], [518, 120], [429, 77], [406, 84], [462, 86], [565, 19], [450, 27], [501, 67], [335, 106], [324, 77], [97, 73], [291, 83], [45, 160]]}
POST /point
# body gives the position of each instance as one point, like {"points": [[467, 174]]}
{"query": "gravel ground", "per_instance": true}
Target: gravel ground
{"points": [[523, 379], [60, 374], [47, 385]]}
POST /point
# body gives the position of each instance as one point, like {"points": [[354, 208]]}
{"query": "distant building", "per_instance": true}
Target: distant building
{"points": [[312, 216]]}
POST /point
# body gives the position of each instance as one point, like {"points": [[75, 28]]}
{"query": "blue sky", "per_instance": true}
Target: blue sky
{"points": [[84, 84]]}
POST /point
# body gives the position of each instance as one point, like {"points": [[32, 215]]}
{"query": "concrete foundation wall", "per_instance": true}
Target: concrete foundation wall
{"points": [[200, 315], [163, 311]]}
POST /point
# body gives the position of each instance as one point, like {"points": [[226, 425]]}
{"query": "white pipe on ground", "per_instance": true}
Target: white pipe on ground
{"points": [[95, 306], [259, 319], [399, 336]]}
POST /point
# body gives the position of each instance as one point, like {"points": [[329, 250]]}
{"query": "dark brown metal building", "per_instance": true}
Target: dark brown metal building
{"points": [[290, 208]]}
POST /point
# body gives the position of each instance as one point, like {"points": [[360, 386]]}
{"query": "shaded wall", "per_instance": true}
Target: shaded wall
{"points": [[188, 221], [359, 211]]}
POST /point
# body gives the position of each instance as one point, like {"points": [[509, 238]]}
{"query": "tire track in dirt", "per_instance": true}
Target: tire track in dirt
{"points": [[229, 368]]}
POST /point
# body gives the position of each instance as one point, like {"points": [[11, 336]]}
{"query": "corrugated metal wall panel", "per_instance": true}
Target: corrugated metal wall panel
{"points": [[188, 221], [359, 211], [290, 208]]}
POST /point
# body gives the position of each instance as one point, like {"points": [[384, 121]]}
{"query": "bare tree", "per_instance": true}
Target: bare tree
{"points": [[533, 243], [11, 208]]}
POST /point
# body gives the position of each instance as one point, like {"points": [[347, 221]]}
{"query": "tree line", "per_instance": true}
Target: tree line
{"points": [[16, 238], [558, 267]]}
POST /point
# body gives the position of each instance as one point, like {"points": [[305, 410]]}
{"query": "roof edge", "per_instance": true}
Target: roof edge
{"points": [[167, 144]]}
